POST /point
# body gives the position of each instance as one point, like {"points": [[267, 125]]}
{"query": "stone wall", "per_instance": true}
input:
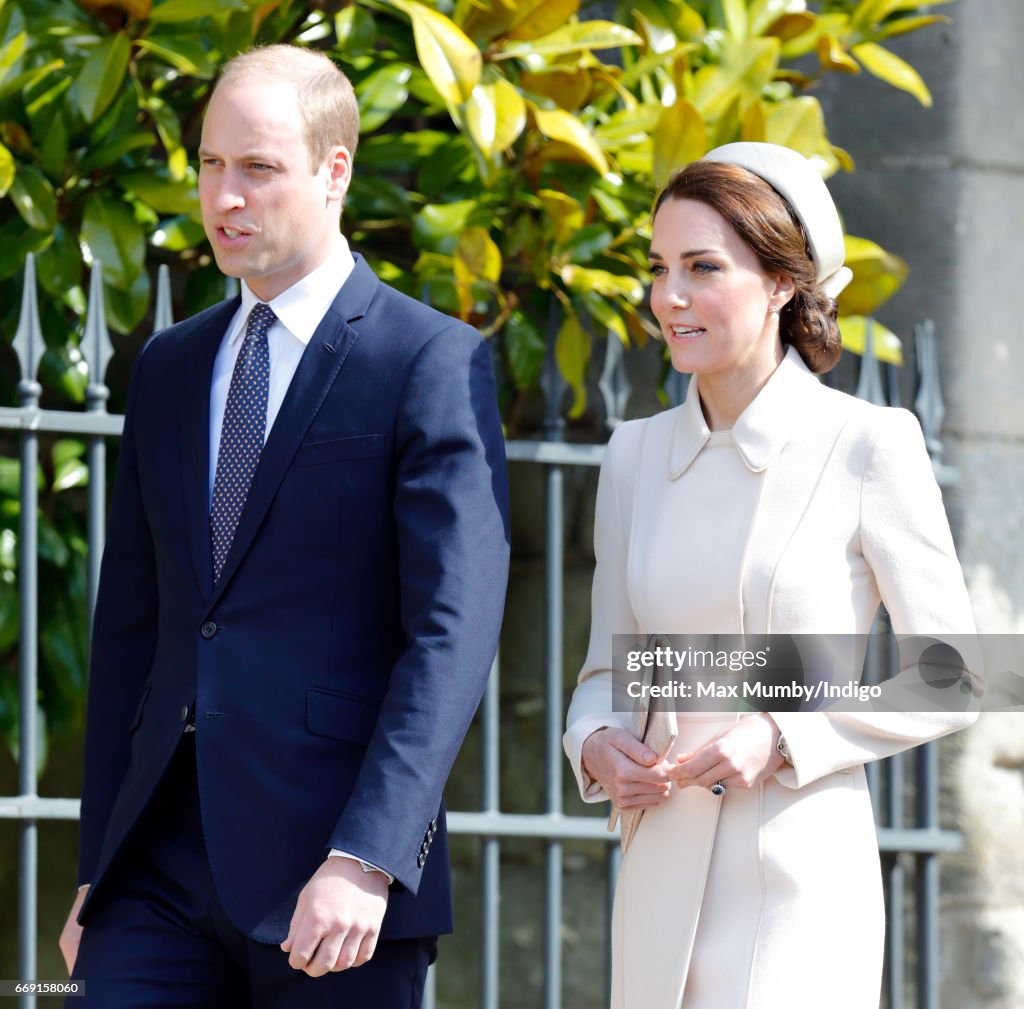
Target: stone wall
{"points": [[944, 188]]}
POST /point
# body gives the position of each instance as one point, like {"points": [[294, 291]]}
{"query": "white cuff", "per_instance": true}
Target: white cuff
{"points": [[367, 866]]}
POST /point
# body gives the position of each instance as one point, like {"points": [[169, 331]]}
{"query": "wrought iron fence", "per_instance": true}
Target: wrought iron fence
{"points": [[904, 789]]}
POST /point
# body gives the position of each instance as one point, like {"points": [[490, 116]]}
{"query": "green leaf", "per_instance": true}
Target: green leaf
{"points": [[575, 37], [34, 198], [13, 40], [582, 280], [451, 59], [495, 116], [69, 468], [893, 70], [745, 69], [524, 350], [171, 11], [109, 154], [400, 152], [681, 137], [101, 76], [127, 308], [177, 234], [606, 316], [877, 276], [114, 237], [885, 343], [572, 352], [563, 215], [735, 12], [381, 95], [15, 241], [437, 226], [588, 242], [23, 81], [476, 257], [800, 124], [872, 12], [906, 25], [55, 148], [59, 265], [355, 29], [557, 124], [164, 194], [6, 170], [533, 18], [188, 55]]}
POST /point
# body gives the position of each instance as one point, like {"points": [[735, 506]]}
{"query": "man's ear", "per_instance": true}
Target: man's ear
{"points": [[339, 173]]}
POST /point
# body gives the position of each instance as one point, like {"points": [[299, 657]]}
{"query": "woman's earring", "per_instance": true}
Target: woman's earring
{"points": [[773, 308]]}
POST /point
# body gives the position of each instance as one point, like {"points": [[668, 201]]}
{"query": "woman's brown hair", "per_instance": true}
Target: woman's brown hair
{"points": [[767, 224]]}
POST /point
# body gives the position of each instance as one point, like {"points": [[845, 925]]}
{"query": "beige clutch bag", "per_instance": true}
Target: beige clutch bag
{"points": [[657, 727]]}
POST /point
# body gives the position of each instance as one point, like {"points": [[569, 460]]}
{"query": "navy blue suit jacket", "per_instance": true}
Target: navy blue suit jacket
{"points": [[335, 667]]}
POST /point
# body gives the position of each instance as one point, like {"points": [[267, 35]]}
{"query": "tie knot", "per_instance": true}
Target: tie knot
{"points": [[261, 318]]}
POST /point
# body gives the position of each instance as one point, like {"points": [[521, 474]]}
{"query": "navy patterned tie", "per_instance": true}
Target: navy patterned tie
{"points": [[241, 434]]}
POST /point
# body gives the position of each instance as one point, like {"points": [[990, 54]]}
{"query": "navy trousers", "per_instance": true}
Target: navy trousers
{"points": [[160, 938]]}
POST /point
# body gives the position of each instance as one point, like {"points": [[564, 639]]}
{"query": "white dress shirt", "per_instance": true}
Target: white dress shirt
{"points": [[299, 311]]}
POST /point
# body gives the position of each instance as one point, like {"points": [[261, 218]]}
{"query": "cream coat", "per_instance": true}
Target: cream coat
{"points": [[776, 891]]}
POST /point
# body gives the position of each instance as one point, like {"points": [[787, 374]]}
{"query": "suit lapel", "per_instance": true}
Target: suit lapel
{"points": [[195, 427], [321, 361]]}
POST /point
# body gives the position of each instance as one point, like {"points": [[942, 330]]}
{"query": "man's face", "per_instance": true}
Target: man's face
{"points": [[268, 216]]}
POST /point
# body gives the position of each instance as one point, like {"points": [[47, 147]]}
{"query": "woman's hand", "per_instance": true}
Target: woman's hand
{"points": [[740, 757], [626, 769]]}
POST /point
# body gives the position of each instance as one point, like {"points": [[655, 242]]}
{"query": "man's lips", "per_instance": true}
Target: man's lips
{"points": [[230, 237]]}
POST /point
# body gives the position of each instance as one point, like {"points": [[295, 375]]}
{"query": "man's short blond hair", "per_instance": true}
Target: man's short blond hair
{"points": [[327, 103]]}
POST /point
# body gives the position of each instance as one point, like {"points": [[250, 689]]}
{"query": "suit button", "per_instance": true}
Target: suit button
{"points": [[184, 712], [209, 629], [421, 861]]}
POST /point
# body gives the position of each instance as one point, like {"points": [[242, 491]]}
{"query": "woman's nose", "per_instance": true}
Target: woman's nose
{"points": [[678, 297]]}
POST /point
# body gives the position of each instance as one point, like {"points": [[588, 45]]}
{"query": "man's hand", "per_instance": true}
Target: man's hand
{"points": [[740, 757], [337, 918], [71, 934], [628, 770]]}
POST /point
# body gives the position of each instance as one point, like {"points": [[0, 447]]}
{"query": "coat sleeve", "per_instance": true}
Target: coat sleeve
{"points": [[591, 707], [906, 541], [452, 521], [123, 641]]}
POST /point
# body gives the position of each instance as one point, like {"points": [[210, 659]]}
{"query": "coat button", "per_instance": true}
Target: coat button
{"points": [[209, 629], [184, 712], [421, 861]]}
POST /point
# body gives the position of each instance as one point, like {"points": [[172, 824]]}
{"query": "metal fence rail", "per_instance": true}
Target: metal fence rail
{"points": [[907, 817]]}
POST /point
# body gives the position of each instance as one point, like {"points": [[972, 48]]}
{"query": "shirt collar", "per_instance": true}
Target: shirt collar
{"points": [[301, 307], [760, 432]]}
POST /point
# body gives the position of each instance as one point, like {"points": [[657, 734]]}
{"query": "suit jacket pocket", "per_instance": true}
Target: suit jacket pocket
{"points": [[340, 716], [363, 446]]}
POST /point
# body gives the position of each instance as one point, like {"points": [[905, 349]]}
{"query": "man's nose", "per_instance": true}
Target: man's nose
{"points": [[229, 194]]}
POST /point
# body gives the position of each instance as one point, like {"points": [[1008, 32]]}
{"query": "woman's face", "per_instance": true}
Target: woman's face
{"points": [[711, 296]]}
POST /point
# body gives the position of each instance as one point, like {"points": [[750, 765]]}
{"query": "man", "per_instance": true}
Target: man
{"points": [[299, 602]]}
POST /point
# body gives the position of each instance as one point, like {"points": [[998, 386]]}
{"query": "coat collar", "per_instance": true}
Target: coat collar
{"points": [[761, 431]]}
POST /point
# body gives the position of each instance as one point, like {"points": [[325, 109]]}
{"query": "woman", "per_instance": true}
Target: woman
{"points": [[765, 504]]}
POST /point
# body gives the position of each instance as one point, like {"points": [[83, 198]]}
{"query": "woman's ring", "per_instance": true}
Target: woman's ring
{"points": [[718, 788]]}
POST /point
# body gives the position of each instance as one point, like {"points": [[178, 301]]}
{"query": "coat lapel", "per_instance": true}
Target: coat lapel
{"points": [[321, 361], [195, 427]]}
